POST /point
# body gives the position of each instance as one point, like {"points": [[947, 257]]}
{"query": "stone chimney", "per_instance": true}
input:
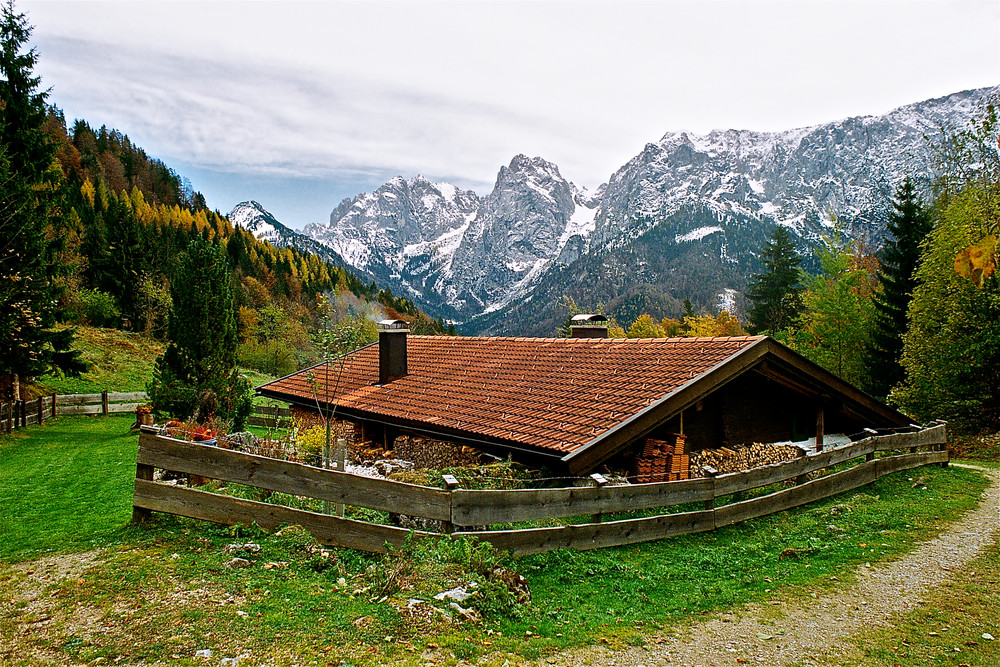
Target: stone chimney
{"points": [[391, 350], [588, 326]]}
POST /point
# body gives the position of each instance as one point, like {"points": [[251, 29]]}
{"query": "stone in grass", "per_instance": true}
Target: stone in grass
{"points": [[237, 563], [987, 636], [203, 653]]}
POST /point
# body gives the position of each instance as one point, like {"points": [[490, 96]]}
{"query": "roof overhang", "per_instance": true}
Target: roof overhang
{"points": [[493, 446], [766, 356]]}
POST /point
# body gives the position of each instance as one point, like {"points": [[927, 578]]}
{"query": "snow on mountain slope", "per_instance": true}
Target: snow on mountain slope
{"points": [[456, 251], [687, 202]]}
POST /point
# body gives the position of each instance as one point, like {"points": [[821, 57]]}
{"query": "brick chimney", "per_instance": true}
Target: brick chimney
{"points": [[588, 326], [391, 350]]}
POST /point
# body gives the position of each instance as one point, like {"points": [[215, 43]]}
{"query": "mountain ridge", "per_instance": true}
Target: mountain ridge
{"points": [[701, 202]]}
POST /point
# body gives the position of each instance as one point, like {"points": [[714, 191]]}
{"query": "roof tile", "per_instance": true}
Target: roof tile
{"points": [[552, 393]]}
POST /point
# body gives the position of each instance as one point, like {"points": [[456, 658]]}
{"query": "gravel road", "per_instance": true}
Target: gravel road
{"points": [[765, 635]]}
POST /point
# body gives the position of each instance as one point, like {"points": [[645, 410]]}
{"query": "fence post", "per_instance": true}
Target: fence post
{"points": [[341, 459], [53, 404], [104, 402], [450, 484], [599, 481], [710, 472], [7, 422], [871, 455], [23, 404], [143, 472], [803, 478], [40, 418]]}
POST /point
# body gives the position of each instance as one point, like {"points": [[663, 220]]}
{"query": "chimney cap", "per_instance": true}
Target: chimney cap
{"points": [[587, 318], [393, 325]]}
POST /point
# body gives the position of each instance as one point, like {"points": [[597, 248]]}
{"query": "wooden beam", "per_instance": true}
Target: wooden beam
{"points": [[819, 428]]}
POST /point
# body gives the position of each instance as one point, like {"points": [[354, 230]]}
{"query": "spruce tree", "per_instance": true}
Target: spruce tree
{"points": [[776, 293], [909, 224], [29, 343], [202, 339]]}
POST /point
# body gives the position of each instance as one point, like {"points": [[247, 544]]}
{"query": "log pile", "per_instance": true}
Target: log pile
{"points": [[662, 460], [742, 458], [433, 454]]}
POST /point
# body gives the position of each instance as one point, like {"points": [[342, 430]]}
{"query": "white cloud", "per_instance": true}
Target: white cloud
{"points": [[341, 90]]}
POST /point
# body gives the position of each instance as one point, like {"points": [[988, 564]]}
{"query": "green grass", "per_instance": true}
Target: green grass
{"points": [[117, 361], [164, 590], [946, 629], [65, 486]]}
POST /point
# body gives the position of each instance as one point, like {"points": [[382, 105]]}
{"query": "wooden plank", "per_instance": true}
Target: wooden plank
{"points": [[81, 410], [127, 397], [891, 464], [269, 422], [268, 411], [936, 435], [124, 407], [597, 535], [786, 470], [823, 487], [79, 399], [483, 507], [296, 479], [104, 402], [329, 530]]}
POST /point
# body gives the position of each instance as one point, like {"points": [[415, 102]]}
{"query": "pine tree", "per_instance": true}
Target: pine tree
{"points": [[776, 293], [29, 343], [909, 224], [202, 339]]}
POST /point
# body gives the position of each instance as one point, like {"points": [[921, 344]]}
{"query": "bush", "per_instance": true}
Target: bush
{"points": [[94, 307], [310, 445]]}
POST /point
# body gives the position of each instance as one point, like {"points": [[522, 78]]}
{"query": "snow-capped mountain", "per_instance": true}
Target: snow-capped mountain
{"points": [[684, 218], [254, 218], [458, 253]]}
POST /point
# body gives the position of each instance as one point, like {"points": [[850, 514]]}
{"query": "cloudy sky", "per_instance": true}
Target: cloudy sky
{"points": [[298, 105]]}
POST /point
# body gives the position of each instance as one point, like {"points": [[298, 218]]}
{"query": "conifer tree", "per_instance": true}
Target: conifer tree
{"points": [[909, 224], [202, 339], [29, 343], [776, 293]]}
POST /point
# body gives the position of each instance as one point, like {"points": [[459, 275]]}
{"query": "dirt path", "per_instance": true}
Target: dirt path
{"points": [[801, 632]]}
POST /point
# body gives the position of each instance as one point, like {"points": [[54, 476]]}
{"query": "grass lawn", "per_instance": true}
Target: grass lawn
{"points": [[937, 632], [117, 360], [64, 486], [161, 591]]}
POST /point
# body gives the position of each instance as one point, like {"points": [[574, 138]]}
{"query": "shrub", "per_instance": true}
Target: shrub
{"points": [[94, 307]]}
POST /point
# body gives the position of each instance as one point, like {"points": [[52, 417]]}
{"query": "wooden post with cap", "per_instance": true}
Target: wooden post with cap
{"points": [[599, 481]]}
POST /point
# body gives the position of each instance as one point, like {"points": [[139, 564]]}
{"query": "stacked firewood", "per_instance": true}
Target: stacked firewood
{"points": [[662, 460], [725, 460], [434, 454]]}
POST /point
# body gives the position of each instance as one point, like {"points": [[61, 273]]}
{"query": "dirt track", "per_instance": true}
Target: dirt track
{"points": [[764, 635]]}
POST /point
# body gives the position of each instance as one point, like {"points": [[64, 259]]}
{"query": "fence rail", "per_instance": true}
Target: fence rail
{"points": [[270, 417], [18, 414], [472, 512]]}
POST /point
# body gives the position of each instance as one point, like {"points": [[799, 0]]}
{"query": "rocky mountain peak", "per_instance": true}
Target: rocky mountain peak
{"points": [[683, 218]]}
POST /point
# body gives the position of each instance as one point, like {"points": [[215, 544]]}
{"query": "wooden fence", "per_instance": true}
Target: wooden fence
{"points": [[23, 413], [270, 417], [474, 512]]}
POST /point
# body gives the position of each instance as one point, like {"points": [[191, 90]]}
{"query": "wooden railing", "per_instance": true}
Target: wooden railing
{"points": [[270, 417], [23, 413], [460, 511]]}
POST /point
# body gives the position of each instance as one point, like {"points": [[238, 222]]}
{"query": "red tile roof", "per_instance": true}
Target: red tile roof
{"points": [[551, 394]]}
